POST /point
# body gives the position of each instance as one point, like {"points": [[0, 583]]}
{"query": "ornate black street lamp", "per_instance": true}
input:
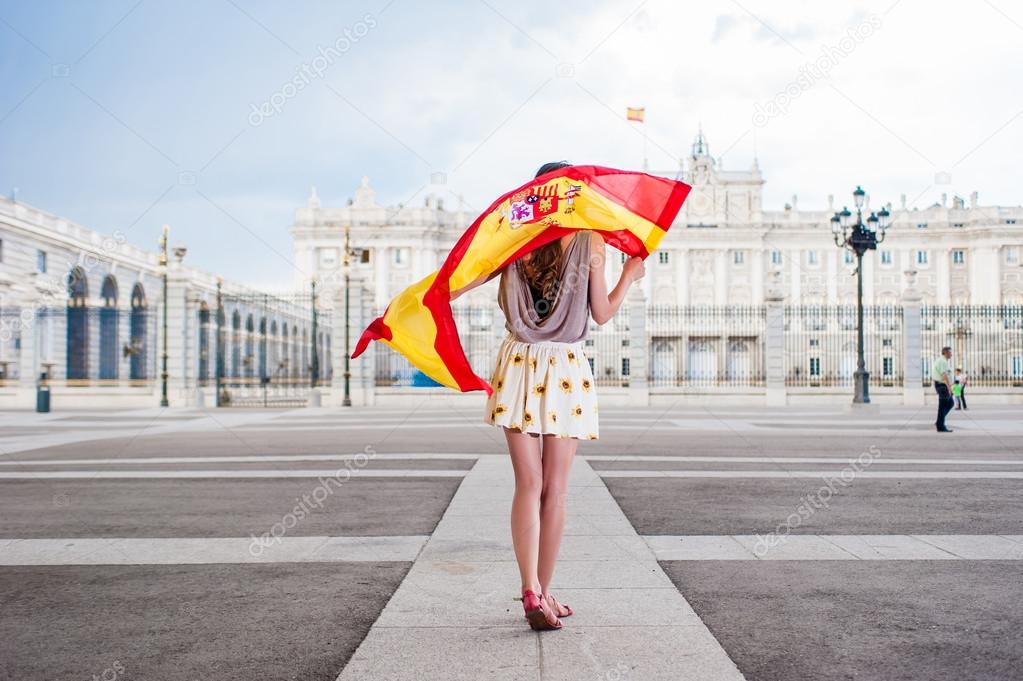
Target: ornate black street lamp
{"points": [[163, 371], [859, 237], [220, 343], [314, 369], [349, 253]]}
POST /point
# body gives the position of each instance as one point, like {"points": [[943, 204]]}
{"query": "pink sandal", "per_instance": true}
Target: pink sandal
{"points": [[560, 609], [538, 612]]}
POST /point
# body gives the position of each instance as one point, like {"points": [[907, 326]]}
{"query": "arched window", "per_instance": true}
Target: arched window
{"points": [[305, 353], [236, 344], [139, 345], [262, 347], [296, 362], [250, 346], [77, 326], [204, 343], [221, 350], [108, 344]]}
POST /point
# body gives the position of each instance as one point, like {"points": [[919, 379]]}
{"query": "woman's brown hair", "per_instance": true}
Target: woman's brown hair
{"points": [[541, 268]]}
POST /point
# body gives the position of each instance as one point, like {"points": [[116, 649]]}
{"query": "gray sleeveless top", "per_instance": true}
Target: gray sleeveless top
{"points": [[566, 318]]}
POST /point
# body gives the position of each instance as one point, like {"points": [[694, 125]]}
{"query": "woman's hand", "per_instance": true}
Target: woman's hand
{"points": [[634, 268]]}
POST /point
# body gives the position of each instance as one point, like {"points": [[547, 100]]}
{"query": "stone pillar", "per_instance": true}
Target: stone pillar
{"points": [[774, 342], [682, 276], [912, 361], [181, 334], [639, 348], [758, 255], [26, 327], [362, 369], [720, 277]]}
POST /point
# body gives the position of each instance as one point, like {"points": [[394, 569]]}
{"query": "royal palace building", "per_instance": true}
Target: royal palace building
{"points": [[722, 249]]}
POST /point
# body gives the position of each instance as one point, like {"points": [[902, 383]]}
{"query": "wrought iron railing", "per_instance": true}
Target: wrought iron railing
{"points": [[706, 346], [821, 346], [986, 342]]}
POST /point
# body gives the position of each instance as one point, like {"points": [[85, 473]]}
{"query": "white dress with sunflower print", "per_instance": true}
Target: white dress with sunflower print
{"points": [[545, 388]]}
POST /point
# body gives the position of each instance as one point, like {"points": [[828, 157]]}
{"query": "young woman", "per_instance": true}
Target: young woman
{"points": [[544, 394]]}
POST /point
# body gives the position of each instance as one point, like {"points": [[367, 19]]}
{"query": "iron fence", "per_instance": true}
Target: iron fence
{"points": [[268, 350], [986, 342], [706, 346], [481, 331], [80, 346], [820, 345]]}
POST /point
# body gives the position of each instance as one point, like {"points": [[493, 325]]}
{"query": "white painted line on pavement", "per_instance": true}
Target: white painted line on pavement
{"points": [[803, 459], [240, 459], [835, 547], [987, 475], [218, 550], [325, 473]]}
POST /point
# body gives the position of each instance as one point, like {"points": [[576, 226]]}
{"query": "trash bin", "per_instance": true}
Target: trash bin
{"points": [[42, 395]]}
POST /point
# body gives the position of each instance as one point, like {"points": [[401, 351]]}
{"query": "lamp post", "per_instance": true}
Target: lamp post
{"points": [[349, 253], [219, 370], [163, 357], [314, 369], [859, 237]]}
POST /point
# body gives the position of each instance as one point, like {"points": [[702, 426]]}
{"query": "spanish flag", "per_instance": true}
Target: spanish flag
{"points": [[631, 211], [634, 114]]}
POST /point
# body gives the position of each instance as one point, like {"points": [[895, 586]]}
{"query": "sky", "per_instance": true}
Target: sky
{"points": [[217, 116]]}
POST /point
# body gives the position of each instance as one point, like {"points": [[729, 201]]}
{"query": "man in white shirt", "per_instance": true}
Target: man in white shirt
{"points": [[941, 374]]}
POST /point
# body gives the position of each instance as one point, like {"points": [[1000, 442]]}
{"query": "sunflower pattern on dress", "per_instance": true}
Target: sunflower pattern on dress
{"points": [[545, 388]]}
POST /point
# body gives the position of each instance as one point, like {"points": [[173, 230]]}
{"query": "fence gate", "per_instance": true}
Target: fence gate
{"points": [[267, 350]]}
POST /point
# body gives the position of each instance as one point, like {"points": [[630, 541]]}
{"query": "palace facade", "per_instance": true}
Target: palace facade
{"points": [[722, 249]]}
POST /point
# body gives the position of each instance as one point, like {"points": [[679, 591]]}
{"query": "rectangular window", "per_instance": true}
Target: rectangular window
{"points": [[775, 257], [815, 366], [589, 360], [921, 225], [812, 258], [662, 257], [328, 258], [886, 257], [401, 256], [848, 257], [888, 366], [625, 366], [958, 224], [958, 257], [41, 262], [1016, 366], [921, 257], [1012, 255], [738, 257], [623, 257]]}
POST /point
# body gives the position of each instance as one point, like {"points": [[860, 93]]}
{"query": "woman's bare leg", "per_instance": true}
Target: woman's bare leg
{"points": [[525, 515], [557, 460]]}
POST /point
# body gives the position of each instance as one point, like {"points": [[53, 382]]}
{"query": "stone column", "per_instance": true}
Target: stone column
{"points": [[758, 255], [180, 337], [682, 276], [362, 369], [639, 348], [774, 342], [26, 327], [720, 277], [912, 381]]}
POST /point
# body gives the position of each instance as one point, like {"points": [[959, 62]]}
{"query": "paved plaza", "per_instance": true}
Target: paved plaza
{"points": [[708, 543]]}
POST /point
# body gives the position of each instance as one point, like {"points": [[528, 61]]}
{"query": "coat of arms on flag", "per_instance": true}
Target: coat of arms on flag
{"points": [[634, 113]]}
